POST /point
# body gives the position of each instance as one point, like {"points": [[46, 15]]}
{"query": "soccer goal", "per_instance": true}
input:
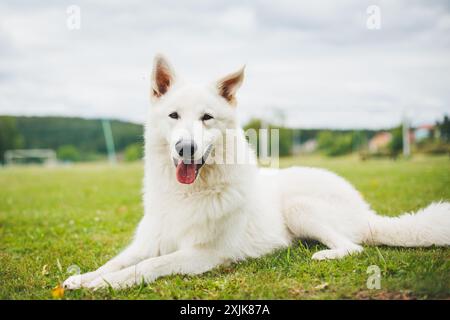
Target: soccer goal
{"points": [[28, 156]]}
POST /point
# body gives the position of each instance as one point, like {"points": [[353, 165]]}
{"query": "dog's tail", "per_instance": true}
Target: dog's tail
{"points": [[427, 227]]}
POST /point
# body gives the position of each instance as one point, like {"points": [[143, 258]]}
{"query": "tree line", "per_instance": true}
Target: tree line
{"points": [[77, 139], [73, 138]]}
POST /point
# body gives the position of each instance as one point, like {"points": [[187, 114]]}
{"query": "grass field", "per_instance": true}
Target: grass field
{"points": [[52, 218]]}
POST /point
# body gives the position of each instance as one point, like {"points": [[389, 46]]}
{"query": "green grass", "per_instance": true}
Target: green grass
{"points": [[52, 218]]}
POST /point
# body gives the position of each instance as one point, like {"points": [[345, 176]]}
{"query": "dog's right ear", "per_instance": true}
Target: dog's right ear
{"points": [[228, 86], [162, 77]]}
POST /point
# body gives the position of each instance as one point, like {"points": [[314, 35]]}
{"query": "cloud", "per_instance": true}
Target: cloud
{"points": [[319, 64]]}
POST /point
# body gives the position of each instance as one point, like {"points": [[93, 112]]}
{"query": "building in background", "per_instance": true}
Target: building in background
{"points": [[424, 132], [380, 141]]}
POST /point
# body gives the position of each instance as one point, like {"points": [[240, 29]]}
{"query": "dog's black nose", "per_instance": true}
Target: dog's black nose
{"points": [[186, 148]]}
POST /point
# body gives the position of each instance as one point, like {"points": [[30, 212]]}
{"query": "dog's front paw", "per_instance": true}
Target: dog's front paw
{"points": [[104, 282], [116, 280], [80, 280], [73, 282], [336, 253], [325, 255]]}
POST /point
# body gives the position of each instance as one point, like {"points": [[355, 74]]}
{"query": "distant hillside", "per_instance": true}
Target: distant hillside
{"points": [[53, 132]]}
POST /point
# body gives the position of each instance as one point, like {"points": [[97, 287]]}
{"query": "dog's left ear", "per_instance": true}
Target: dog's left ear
{"points": [[162, 77], [228, 86]]}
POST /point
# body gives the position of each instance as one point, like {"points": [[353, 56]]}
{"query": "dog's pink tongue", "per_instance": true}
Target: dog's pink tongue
{"points": [[186, 172]]}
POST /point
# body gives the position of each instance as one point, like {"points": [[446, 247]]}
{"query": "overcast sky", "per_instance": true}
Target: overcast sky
{"points": [[316, 62]]}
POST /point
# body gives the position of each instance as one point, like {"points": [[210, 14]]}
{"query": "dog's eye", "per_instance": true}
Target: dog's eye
{"points": [[207, 117], [174, 115]]}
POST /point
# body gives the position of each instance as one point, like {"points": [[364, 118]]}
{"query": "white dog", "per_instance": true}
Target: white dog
{"points": [[201, 214]]}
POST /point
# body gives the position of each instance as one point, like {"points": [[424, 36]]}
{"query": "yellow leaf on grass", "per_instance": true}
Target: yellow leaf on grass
{"points": [[58, 292]]}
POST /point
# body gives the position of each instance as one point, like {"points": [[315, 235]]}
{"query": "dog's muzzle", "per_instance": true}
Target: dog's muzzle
{"points": [[187, 168]]}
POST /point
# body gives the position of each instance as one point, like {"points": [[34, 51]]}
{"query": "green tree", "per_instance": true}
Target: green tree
{"points": [[343, 144], [359, 139], [134, 152], [285, 146], [396, 144], [325, 140], [444, 128], [339, 143], [68, 153], [10, 138]]}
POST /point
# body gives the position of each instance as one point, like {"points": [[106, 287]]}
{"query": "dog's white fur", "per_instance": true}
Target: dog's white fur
{"points": [[235, 211]]}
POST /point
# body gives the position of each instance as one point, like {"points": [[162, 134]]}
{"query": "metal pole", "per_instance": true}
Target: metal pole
{"points": [[109, 141], [406, 146]]}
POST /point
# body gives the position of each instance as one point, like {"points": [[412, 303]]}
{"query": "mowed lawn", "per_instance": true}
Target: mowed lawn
{"points": [[54, 218]]}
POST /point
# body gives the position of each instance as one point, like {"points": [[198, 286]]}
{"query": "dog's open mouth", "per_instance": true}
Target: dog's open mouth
{"points": [[187, 170]]}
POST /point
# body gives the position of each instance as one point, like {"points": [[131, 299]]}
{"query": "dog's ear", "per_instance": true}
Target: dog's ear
{"points": [[162, 77], [228, 86]]}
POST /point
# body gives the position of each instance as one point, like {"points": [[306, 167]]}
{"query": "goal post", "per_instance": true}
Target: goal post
{"points": [[22, 156]]}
